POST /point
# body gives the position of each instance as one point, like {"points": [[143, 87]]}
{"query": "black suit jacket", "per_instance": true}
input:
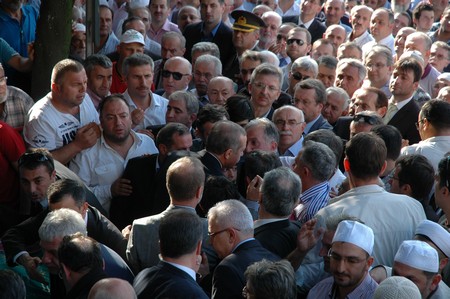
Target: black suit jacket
{"points": [[228, 278], [404, 120], [166, 281], [321, 123], [317, 29], [223, 39], [81, 289], [25, 234], [149, 196], [342, 127], [212, 165], [279, 237]]}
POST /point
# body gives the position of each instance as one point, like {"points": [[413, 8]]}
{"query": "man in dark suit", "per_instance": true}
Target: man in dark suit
{"points": [[403, 111], [225, 145], [148, 178], [211, 29], [279, 195], [180, 242], [310, 97], [307, 19], [62, 194], [230, 226]]}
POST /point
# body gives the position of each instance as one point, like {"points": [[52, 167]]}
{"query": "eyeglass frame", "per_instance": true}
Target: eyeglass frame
{"points": [[368, 119], [211, 235], [290, 123], [299, 76], [262, 86], [3, 80], [345, 259], [420, 122]]}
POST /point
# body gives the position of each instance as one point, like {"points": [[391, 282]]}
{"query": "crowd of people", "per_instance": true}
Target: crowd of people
{"points": [[229, 149]]}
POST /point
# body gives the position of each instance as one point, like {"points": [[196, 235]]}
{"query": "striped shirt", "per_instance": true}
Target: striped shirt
{"points": [[311, 201]]}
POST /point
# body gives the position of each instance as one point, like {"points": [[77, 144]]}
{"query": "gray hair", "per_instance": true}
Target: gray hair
{"points": [[137, 59], [341, 93], [267, 69], [381, 50], [319, 159], [280, 191], [96, 60], [328, 61], [209, 59], [232, 213], [289, 107], [270, 130], [270, 57], [60, 223], [306, 63], [179, 59], [173, 35], [206, 47], [270, 279], [191, 102], [354, 63], [272, 14]]}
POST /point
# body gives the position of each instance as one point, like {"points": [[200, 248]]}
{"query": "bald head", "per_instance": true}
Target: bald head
{"points": [[220, 89], [112, 288], [335, 33]]}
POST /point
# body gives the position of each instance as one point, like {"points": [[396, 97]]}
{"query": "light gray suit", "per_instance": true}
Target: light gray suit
{"points": [[143, 244]]}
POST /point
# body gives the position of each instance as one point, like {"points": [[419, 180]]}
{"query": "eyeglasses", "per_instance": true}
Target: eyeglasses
{"points": [[290, 122], [221, 231], [32, 158], [299, 77], [365, 119], [419, 122], [176, 75], [299, 42], [246, 72], [261, 86], [3, 79], [348, 260]]}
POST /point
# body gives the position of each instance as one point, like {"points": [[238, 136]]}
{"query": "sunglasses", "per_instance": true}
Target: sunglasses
{"points": [[32, 158], [176, 75], [365, 118], [299, 42], [299, 77]]}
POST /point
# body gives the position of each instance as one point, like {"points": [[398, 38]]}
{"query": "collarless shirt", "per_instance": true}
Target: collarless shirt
{"points": [[327, 289], [154, 114]]}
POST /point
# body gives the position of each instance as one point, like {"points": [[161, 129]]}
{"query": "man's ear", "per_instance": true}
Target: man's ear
{"points": [[346, 165]]}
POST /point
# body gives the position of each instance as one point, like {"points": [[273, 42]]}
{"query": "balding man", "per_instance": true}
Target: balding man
{"points": [[176, 75], [112, 288], [419, 41], [268, 35], [220, 89], [381, 26], [335, 33], [230, 227], [206, 67], [334, 12], [360, 19]]}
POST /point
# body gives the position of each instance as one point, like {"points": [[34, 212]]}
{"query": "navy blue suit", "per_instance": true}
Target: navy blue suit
{"points": [[228, 278], [166, 281], [317, 29], [404, 120], [321, 123], [279, 237]]}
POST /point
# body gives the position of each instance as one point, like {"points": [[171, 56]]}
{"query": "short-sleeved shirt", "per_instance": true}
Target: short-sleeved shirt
{"points": [[6, 51], [49, 128]]}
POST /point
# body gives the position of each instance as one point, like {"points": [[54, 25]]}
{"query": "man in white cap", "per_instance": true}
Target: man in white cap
{"points": [[131, 42], [439, 238], [419, 262], [350, 260]]}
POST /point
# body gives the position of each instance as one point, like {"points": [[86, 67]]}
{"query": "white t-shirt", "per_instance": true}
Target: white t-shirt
{"points": [[49, 128]]}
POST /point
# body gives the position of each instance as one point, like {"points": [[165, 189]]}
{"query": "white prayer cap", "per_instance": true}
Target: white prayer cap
{"points": [[444, 76], [138, 3], [103, 2], [78, 27], [132, 36], [355, 233], [437, 234], [418, 255], [397, 287]]}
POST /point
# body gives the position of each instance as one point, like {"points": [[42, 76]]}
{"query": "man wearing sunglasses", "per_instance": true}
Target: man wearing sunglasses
{"points": [[303, 68], [364, 122], [298, 44], [176, 76]]}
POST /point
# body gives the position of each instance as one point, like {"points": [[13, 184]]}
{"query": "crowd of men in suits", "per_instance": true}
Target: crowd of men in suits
{"points": [[220, 149]]}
